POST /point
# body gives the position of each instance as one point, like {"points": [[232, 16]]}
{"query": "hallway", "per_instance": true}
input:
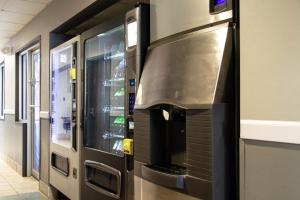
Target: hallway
{"points": [[15, 187]]}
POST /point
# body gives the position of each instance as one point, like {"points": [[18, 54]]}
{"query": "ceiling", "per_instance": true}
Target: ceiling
{"points": [[15, 14]]}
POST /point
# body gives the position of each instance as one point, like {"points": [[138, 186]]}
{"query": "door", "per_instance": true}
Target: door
{"points": [[29, 106], [105, 89], [64, 153], [61, 97], [104, 109], [35, 112]]}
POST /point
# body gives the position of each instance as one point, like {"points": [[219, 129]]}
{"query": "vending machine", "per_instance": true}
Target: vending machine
{"points": [[185, 113], [64, 118], [113, 54]]}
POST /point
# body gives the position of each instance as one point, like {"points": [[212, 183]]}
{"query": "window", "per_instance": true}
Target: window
{"points": [[25, 81], [23, 67], [2, 90]]}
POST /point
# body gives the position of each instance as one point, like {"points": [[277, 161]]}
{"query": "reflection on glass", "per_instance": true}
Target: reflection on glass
{"points": [[36, 101], [61, 97], [105, 90]]}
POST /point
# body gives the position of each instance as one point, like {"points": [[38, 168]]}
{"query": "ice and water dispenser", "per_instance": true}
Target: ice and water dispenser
{"points": [[184, 115]]}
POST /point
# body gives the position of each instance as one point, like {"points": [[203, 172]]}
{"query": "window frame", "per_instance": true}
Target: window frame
{"points": [[22, 78], [23, 111]]}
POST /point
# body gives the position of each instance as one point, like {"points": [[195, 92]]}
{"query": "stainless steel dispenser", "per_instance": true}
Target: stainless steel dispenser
{"points": [[184, 115]]}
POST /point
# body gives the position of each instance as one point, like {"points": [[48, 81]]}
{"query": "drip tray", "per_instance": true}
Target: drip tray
{"points": [[172, 169], [171, 177]]}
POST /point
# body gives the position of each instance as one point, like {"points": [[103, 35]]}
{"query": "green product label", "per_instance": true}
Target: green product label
{"points": [[119, 120], [120, 92]]}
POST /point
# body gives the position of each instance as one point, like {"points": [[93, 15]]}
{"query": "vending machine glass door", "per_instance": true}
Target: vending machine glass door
{"points": [[61, 97], [105, 92]]}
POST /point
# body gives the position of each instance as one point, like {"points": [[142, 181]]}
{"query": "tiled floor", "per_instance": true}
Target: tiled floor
{"points": [[15, 187]]}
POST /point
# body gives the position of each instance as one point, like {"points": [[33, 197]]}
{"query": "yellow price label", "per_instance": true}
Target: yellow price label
{"points": [[73, 73], [128, 146]]}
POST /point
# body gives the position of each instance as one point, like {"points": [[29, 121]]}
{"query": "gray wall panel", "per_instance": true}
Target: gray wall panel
{"points": [[11, 138], [45, 129], [270, 171]]}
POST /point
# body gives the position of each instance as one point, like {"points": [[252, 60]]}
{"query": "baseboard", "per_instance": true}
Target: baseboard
{"points": [[11, 163], [273, 131]]}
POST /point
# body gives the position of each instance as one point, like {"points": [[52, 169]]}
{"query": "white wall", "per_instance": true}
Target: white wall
{"points": [[9, 84], [270, 60], [1, 57]]}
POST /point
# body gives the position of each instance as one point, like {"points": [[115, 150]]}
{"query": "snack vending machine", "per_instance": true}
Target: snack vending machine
{"points": [[113, 55], [64, 117]]}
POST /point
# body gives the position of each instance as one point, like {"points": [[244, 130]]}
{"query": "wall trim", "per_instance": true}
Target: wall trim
{"points": [[44, 114], [9, 111], [273, 131]]}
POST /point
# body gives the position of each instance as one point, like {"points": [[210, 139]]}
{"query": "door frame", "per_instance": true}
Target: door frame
{"points": [[27, 136]]}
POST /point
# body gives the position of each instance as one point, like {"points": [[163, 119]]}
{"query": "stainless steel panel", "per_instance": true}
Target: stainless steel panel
{"points": [[169, 17], [185, 71], [143, 188]]}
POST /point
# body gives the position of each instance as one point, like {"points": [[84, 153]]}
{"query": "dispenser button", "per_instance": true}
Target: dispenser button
{"points": [[131, 125], [132, 82]]}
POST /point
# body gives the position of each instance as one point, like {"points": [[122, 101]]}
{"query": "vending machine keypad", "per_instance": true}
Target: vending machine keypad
{"points": [[131, 103]]}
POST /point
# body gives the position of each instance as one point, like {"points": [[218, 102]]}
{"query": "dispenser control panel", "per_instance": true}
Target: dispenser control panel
{"points": [[220, 2], [218, 6]]}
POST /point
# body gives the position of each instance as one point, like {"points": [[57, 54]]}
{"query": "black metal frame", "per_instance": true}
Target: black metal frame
{"points": [[236, 45], [59, 35]]}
